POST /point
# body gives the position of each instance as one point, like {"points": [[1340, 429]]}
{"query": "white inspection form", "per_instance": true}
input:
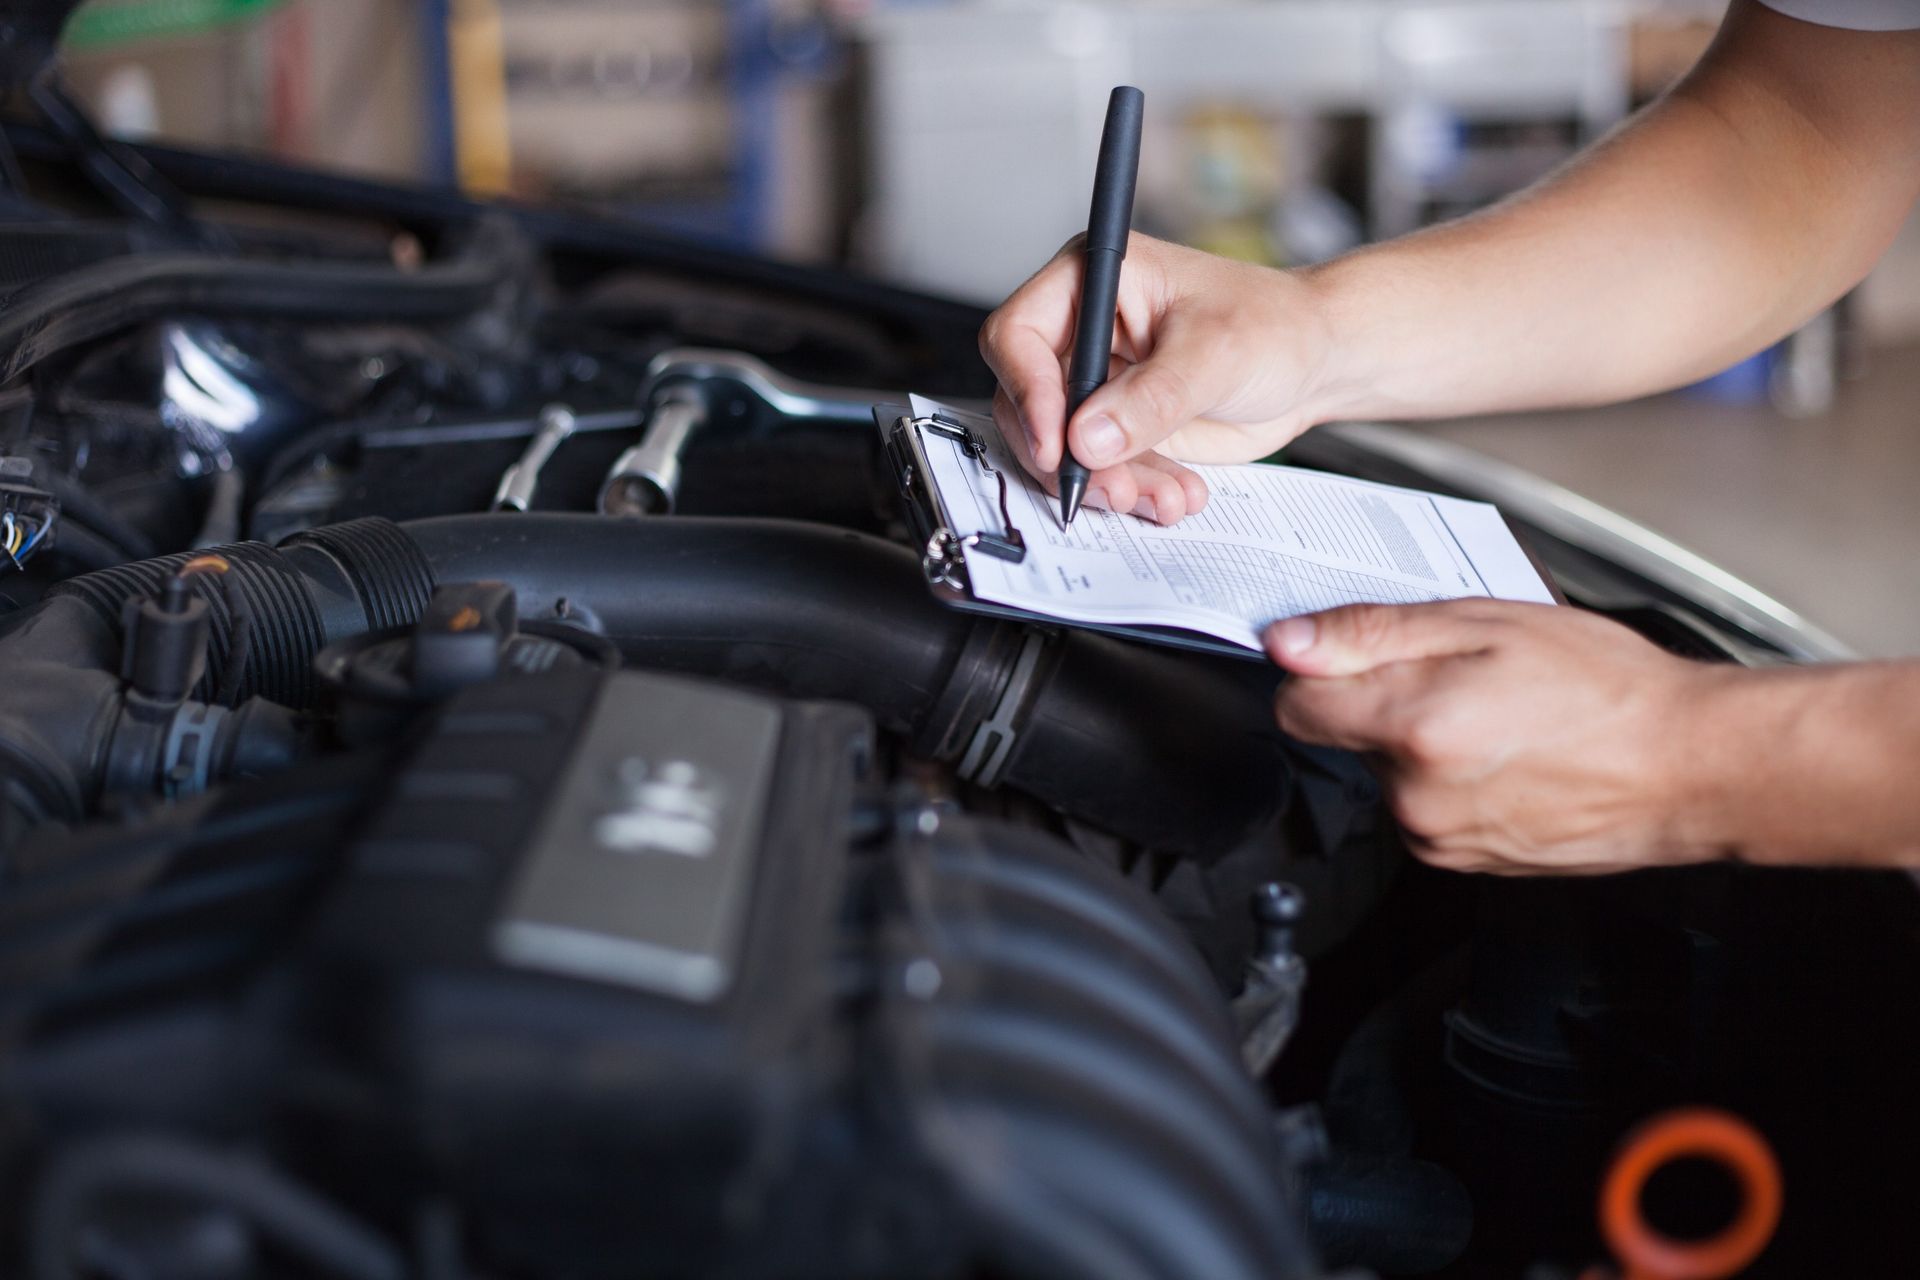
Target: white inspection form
{"points": [[1272, 542]]}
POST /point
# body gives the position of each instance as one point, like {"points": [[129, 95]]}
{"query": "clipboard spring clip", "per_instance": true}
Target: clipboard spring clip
{"points": [[945, 551]]}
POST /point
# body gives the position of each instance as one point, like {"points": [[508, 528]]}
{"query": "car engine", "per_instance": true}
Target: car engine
{"points": [[487, 792]]}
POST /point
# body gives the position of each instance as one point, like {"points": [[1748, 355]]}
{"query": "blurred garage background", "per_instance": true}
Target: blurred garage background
{"points": [[948, 145]]}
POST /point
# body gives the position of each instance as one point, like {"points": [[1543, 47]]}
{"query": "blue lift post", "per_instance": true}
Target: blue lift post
{"points": [[764, 56], [436, 93], [753, 80]]}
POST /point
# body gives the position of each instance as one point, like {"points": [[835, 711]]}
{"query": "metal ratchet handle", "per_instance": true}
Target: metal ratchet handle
{"points": [[789, 396]]}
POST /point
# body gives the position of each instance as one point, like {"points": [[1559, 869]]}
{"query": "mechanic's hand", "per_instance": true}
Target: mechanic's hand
{"points": [[1514, 738], [1214, 361]]}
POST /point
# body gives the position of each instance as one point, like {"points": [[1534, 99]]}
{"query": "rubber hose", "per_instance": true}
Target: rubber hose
{"points": [[796, 608], [1387, 1213], [78, 504], [318, 587], [1173, 751], [93, 301], [81, 545]]}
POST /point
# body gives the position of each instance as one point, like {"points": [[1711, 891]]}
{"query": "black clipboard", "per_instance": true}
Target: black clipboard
{"points": [[943, 548]]}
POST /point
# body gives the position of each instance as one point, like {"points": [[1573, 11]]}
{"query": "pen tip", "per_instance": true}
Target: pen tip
{"points": [[1073, 490]]}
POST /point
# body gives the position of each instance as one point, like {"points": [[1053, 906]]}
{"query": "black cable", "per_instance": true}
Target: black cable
{"points": [[121, 173], [105, 297], [82, 546], [79, 504], [308, 445], [239, 642], [294, 1216], [437, 1242], [11, 177]]}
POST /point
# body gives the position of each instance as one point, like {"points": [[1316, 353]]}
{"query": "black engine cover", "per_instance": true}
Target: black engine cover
{"points": [[628, 974], [578, 959]]}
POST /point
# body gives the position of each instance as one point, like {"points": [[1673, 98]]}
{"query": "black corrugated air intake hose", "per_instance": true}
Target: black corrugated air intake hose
{"points": [[315, 588], [1174, 752], [73, 731]]}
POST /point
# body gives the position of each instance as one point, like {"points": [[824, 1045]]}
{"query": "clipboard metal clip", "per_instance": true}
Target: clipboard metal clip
{"points": [[944, 558]]}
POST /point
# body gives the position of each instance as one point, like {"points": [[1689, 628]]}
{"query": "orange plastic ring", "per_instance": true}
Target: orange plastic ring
{"points": [[1645, 1253]]}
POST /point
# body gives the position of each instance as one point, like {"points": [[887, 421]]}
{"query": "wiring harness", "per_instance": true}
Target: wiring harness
{"points": [[27, 512]]}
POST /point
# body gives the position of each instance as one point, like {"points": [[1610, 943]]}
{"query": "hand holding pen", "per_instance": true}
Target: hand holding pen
{"points": [[1217, 361]]}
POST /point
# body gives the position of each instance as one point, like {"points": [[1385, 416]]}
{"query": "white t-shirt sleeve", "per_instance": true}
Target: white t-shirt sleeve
{"points": [[1856, 15]]}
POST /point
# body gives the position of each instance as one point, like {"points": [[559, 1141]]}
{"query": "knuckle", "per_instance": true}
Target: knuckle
{"points": [[1417, 816], [1169, 501], [992, 334], [1294, 710], [1440, 856], [1164, 393], [1286, 712], [1366, 626], [1427, 741], [1197, 494]]}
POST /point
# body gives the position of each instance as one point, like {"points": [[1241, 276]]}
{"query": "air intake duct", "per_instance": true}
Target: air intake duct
{"points": [[1176, 752]]}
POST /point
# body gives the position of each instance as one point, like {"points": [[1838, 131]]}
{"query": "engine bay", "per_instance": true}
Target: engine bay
{"points": [[488, 793]]}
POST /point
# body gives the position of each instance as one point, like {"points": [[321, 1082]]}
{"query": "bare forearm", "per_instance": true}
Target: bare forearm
{"points": [[1808, 767], [1711, 225]]}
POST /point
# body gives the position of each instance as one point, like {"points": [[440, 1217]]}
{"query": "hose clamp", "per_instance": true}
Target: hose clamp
{"points": [[993, 741]]}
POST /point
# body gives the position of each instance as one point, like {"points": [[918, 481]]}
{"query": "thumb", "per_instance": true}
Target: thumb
{"points": [[1359, 637], [1146, 402]]}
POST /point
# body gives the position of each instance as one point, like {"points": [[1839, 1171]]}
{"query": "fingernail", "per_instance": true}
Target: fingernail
{"points": [[1102, 439], [1097, 497], [1033, 440], [1145, 509], [1294, 636]]}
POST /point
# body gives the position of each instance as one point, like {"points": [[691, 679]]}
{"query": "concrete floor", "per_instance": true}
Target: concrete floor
{"points": [[1819, 513]]}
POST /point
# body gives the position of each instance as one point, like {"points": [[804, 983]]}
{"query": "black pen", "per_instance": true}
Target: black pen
{"points": [[1107, 225]]}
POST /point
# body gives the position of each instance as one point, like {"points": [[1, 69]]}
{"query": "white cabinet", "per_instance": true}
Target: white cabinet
{"points": [[984, 117]]}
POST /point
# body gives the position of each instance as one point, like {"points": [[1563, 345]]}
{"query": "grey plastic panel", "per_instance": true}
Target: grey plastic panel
{"points": [[643, 867]]}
